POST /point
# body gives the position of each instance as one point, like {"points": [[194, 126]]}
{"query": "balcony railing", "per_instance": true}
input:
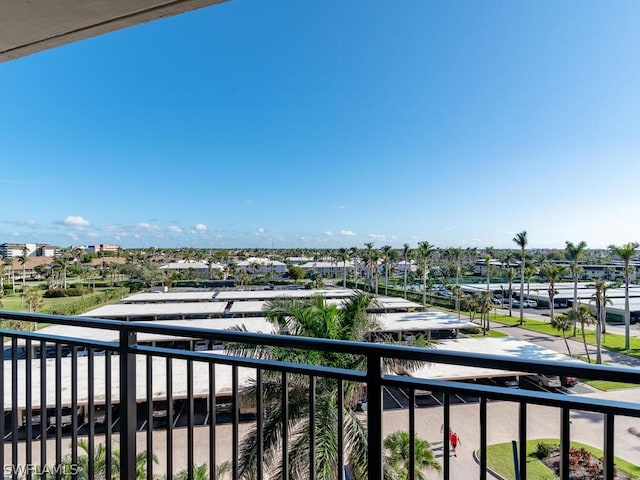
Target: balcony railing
{"points": [[53, 396]]}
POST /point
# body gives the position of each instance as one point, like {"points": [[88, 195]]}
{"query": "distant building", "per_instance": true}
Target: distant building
{"points": [[261, 266], [103, 247], [44, 250], [14, 250], [327, 269]]}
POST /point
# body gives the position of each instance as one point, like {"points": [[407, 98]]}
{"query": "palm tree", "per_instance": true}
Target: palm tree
{"points": [[510, 273], [354, 254], [424, 251], [385, 251], [406, 257], [583, 316], [563, 323], [9, 263], [23, 261], [574, 253], [626, 252], [529, 272], [311, 318], [521, 240], [487, 265], [343, 256], [553, 273], [397, 461], [201, 472], [601, 300]]}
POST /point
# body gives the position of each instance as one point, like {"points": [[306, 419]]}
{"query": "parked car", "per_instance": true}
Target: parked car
{"points": [[530, 303], [508, 382], [568, 381], [552, 381]]}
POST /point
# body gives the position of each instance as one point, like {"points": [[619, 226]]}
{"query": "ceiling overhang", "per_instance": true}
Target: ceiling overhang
{"points": [[30, 26]]}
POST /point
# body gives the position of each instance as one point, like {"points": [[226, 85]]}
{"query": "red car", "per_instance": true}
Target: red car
{"points": [[568, 381]]}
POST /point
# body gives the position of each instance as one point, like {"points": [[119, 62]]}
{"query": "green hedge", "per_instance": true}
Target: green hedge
{"points": [[67, 292], [82, 305]]}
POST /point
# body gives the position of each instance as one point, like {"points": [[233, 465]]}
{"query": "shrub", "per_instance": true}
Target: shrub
{"points": [[67, 292], [542, 450]]}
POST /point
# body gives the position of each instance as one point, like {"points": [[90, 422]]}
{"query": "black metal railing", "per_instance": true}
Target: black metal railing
{"points": [[55, 399]]}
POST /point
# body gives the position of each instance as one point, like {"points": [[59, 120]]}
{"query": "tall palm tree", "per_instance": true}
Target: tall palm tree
{"points": [[510, 274], [406, 257], [456, 255], [343, 256], [423, 253], [553, 273], [311, 318], [354, 254], [626, 252], [601, 300], [9, 263], [23, 261], [386, 255], [397, 461], [487, 265], [521, 241], [574, 254], [529, 272]]}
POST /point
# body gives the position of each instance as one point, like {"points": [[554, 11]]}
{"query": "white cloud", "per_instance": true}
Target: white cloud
{"points": [[175, 229], [260, 231], [348, 233], [72, 235], [328, 232], [23, 223], [376, 236], [200, 227], [75, 221], [92, 235], [147, 227]]}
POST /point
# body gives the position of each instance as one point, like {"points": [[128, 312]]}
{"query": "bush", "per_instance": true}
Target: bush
{"points": [[67, 292], [542, 450], [84, 304]]}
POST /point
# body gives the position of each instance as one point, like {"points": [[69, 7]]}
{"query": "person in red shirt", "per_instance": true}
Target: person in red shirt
{"points": [[455, 441]]}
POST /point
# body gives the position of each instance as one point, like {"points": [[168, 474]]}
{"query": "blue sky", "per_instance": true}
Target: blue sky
{"points": [[327, 124]]}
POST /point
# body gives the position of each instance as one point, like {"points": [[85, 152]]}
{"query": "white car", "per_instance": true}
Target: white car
{"points": [[552, 381]]}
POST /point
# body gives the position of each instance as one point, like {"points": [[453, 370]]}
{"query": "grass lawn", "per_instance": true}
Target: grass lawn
{"points": [[14, 302], [606, 386], [500, 459], [490, 333]]}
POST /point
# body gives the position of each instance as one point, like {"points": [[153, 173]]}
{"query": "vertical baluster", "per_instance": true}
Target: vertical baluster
{"points": [[312, 427], [412, 434], [58, 408], [190, 420], [15, 408], [28, 404], [74, 405], [108, 414], [609, 450], [445, 436], [522, 434], [44, 415], [483, 438], [169, 417], [340, 430], [91, 413], [212, 420], [235, 420], [149, 417], [374, 415], [128, 406], [565, 439], [285, 426]]}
